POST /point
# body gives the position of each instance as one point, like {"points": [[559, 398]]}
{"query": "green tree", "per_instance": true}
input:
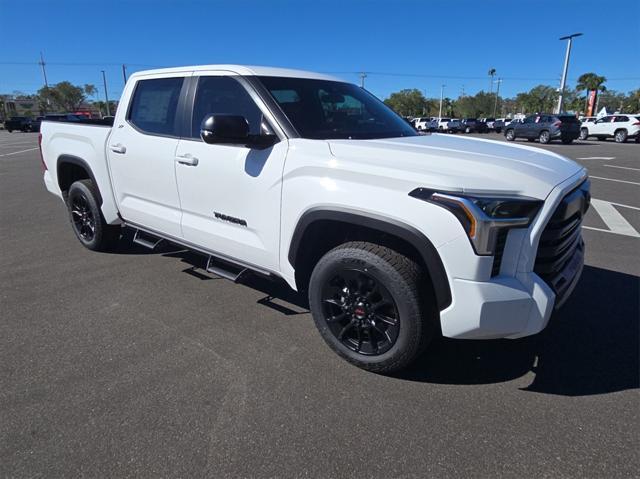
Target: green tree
{"points": [[632, 102], [590, 81], [479, 105], [409, 102], [90, 90], [491, 73], [64, 95], [541, 98]]}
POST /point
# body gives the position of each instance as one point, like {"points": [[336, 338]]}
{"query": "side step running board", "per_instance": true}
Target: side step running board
{"points": [[225, 269], [145, 239]]}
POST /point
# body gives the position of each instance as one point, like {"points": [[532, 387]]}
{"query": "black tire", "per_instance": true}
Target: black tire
{"points": [[510, 134], [86, 218], [584, 134], [531, 140], [620, 136], [544, 137], [567, 141], [10, 131], [366, 302], [498, 130], [601, 138]]}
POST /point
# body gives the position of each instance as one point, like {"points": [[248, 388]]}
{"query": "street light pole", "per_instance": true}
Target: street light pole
{"points": [[563, 82], [363, 75], [441, 97], [106, 96]]}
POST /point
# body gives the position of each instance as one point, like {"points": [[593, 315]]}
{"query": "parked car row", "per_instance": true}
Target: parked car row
{"points": [[455, 125], [27, 124]]}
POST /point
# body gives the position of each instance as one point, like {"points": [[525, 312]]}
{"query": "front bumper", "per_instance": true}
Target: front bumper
{"points": [[517, 302]]}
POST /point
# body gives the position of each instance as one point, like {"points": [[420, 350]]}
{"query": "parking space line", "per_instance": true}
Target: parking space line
{"points": [[622, 167], [597, 158], [21, 151], [616, 223], [619, 181]]}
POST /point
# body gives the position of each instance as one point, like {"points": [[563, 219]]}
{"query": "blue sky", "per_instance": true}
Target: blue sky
{"points": [[403, 44]]}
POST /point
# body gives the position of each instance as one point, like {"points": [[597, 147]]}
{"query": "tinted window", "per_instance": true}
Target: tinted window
{"points": [[324, 109], [223, 96], [154, 106], [568, 119], [530, 119], [621, 119]]}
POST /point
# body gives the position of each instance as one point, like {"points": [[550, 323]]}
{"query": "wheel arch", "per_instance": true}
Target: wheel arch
{"points": [[328, 227], [71, 168]]}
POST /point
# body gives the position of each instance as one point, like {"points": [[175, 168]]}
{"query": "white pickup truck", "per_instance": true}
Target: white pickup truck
{"points": [[394, 236]]}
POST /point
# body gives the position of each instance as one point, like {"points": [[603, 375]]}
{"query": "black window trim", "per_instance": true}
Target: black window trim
{"points": [[248, 86], [180, 109]]}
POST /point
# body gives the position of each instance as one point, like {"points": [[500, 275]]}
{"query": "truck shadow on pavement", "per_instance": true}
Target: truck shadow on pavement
{"points": [[591, 346]]}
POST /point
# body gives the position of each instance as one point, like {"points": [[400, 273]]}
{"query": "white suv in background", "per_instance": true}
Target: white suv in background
{"points": [[442, 124], [619, 126], [421, 124]]}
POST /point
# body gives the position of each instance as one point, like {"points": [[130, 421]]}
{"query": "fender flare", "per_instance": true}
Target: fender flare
{"points": [[408, 233], [78, 162]]}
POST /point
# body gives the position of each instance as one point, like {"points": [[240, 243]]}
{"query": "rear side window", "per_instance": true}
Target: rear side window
{"points": [[620, 119], [155, 104], [220, 95], [568, 119]]}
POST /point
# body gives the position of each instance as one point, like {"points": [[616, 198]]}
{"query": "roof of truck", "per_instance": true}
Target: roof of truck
{"points": [[244, 70]]}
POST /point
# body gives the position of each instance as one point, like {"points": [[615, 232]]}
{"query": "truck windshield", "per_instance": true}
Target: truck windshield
{"points": [[324, 109]]}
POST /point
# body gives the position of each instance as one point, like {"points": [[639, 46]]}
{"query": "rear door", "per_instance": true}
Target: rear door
{"points": [[526, 128], [230, 193], [142, 149]]}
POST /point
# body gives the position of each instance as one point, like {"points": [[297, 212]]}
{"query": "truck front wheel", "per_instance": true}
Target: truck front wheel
{"points": [[368, 303], [86, 218]]}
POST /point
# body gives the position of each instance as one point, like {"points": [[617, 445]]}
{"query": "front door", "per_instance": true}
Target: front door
{"points": [[230, 193], [142, 148]]}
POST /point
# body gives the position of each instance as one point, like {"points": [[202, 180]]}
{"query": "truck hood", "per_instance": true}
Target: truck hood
{"points": [[461, 164]]}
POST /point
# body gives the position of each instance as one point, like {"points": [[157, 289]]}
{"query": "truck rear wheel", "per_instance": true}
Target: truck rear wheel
{"points": [[86, 218], [366, 302]]}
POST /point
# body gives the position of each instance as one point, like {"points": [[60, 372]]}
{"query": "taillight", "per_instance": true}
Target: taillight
{"points": [[637, 123], [44, 166]]}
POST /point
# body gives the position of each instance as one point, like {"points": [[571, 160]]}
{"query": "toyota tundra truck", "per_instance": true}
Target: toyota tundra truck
{"points": [[395, 237]]}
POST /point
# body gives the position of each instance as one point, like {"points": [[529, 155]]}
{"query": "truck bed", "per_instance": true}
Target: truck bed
{"points": [[82, 143]]}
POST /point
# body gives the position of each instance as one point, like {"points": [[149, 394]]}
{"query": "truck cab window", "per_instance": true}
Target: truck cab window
{"points": [[154, 106], [220, 95]]}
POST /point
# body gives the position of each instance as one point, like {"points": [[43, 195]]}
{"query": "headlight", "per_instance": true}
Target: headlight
{"points": [[483, 217]]}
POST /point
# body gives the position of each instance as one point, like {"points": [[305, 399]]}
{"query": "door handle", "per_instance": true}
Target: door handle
{"points": [[118, 148], [187, 159]]}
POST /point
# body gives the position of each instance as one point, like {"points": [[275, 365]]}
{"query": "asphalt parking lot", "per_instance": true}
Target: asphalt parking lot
{"points": [[140, 364]]}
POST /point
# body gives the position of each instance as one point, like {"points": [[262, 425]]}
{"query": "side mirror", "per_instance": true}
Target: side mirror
{"points": [[224, 129]]}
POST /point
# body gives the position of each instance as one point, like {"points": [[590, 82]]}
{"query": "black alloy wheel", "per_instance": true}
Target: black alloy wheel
{"points": [[82, 217], [360, 312]]}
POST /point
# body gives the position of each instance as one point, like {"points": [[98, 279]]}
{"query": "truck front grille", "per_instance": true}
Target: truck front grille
{"points": [[561, 249]]}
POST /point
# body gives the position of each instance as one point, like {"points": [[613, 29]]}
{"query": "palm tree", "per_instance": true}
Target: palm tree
{"points": [[492, 73], [588, 82], [591, 81]]}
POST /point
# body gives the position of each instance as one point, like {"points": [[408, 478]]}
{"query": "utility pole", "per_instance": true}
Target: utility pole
{"points": [[462, 93], [563, 82], [363, 75], [44, 72], [441, 98], [106, 96], [124, 73], [495, 106]]}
